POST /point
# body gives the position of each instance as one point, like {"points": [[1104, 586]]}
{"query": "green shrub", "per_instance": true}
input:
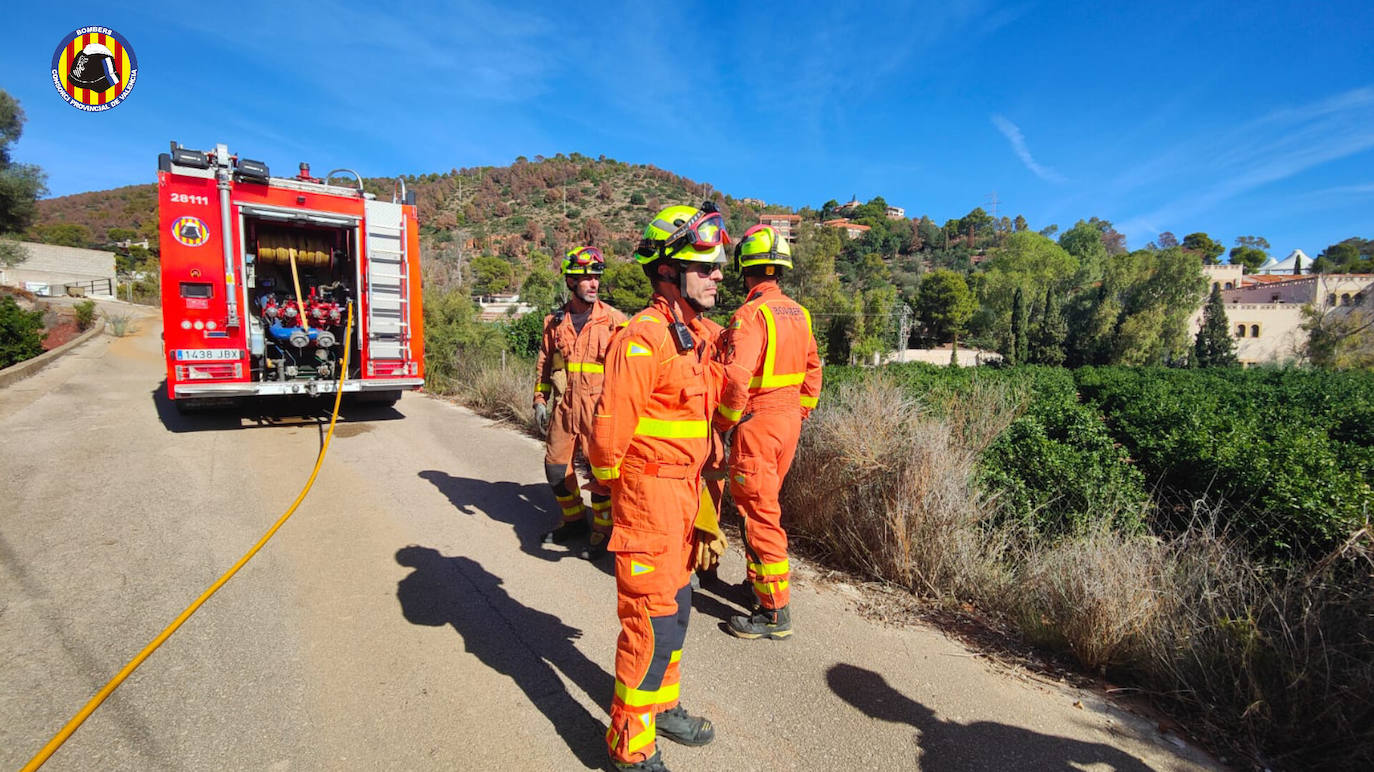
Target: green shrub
{"points": [[85, 314], [523, 334], [21, 333], [1285, 455]]}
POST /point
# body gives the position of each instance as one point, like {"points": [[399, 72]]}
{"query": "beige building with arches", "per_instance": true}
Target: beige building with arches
{"points": [[1264, 313]]}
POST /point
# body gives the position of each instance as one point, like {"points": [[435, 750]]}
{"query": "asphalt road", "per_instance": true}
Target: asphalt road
{"points": [[407, 618]]}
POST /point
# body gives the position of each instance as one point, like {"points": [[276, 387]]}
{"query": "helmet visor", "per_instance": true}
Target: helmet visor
{"points": [[704, 231], [585, 261]]}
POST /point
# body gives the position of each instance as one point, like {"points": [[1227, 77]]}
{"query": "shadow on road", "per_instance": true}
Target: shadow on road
{"points": [[982, 745], [529, 646], [715, 597], [262, 412], [529, 509]]}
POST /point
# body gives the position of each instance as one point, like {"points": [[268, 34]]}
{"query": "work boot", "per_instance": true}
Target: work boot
{"points": [[679, 726], [765, 623], [596, 547], [568, 530], [652, 764]]}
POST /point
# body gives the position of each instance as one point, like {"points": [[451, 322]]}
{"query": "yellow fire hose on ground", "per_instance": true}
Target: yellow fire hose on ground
{"points": [[61, 737]]}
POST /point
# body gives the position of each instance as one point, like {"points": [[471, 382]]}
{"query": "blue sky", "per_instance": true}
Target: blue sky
{"points": [[1226, 117]]}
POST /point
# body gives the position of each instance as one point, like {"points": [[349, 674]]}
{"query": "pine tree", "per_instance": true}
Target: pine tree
{"points": [[1214, 347], [1047, 344], [1019, 340]]}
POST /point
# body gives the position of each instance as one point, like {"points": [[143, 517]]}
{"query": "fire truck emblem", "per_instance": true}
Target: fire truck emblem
{"points": [[190, 231], [94, 69]]}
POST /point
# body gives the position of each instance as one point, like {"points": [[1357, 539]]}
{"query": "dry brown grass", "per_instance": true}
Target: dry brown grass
{"points": [[883, 486], [500, 388], [1281, 663]]}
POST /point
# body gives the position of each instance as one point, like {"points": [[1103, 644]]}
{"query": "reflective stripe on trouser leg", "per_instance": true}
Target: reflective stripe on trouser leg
{"points": [[651, 540], [601, 513], [763, 450], [571, 506], [631, 734]]}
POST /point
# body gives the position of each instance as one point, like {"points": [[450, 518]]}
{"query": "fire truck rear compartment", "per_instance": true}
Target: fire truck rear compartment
{"points": [[291, 338]]}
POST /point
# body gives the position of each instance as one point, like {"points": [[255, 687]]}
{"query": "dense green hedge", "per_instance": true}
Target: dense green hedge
{"points": [[1284, 457]]}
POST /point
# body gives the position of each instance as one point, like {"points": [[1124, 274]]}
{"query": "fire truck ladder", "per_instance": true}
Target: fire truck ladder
{"points": [[388, 301]]}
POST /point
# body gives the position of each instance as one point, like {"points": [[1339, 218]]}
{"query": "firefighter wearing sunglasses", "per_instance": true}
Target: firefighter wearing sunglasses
{"points": [[575, 340], [650, 437], [772, 381]]}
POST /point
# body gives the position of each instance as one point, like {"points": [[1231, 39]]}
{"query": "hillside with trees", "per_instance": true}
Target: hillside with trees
{"points": [[1086, 298]]}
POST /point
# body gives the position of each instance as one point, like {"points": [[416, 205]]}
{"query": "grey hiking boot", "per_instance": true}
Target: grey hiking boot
{"points": [[652, 764], [569, 530], [764, 623], [678, 725]]}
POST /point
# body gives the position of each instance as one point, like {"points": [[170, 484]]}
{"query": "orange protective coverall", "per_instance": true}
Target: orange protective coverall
{"points": [[772, 381], [582, 355], [650, 436]]}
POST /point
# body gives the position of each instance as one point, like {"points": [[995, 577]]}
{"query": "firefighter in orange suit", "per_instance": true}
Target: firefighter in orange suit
{"points": [[575, 339], [650, 436], [772, 381]]}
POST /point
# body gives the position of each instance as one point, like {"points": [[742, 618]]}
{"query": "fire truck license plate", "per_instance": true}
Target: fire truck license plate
{"points": [[208, 354]]}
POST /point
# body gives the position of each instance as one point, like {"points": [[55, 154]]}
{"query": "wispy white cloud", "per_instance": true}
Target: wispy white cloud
{"points": [[1343, 190], [1269, 149], [1018, 145]]}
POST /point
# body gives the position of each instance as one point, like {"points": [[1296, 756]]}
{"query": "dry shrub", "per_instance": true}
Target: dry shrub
{"points": [[1281, 658], [120, 325], [496, 385], [1095, 595], [884, 486]]}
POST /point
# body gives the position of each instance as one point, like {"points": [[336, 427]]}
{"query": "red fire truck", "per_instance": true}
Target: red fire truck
{"points": [[258, 272]]}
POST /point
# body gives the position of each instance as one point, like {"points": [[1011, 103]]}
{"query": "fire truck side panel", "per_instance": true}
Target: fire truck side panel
{"points": [[198, 343]]}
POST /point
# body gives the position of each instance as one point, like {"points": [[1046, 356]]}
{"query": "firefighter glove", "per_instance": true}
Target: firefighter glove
{"points": [[708, 542], [707, 548], [541, 417]]}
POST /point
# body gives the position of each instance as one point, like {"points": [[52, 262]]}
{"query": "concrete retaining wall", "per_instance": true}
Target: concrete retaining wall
{"points": [[30, 366]]}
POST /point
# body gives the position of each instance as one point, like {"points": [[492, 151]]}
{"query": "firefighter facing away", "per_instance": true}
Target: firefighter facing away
{"points": [[575, 341], [650, 437], [772, 381]]}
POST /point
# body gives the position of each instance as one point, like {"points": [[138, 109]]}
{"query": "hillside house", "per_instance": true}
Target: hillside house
{"points": [[851, 229], [785, 223]]}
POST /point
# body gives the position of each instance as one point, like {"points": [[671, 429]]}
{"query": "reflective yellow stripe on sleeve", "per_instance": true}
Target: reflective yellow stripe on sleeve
{"points": [[809, 401], [543, 388], [733, 415], [684, 429], [586, 367], [606, 472]]}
